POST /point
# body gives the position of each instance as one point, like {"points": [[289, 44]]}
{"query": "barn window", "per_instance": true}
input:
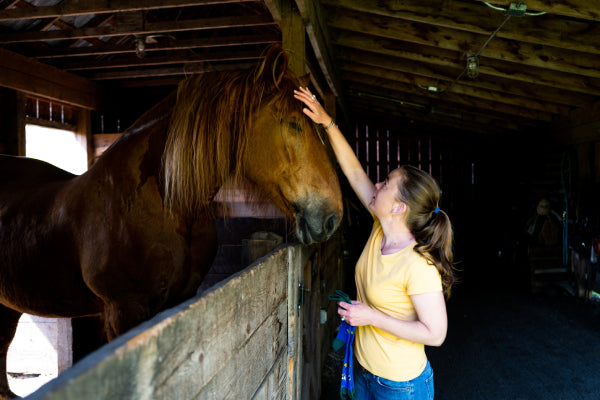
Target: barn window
{"points": [[50, 135], [60, 147]]}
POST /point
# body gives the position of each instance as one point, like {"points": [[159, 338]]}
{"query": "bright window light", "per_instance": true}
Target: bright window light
{"points": [[56, 146]]}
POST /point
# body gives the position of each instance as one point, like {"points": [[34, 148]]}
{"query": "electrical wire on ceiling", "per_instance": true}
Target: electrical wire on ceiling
{"points": [[472, 62]]}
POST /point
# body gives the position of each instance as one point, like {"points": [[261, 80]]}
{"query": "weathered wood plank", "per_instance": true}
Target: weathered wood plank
{"points": [[533, 55], [274, 386], [101, 7], [403, 92], [197, 349], [389, 51], [242, 375], [584, 9], [147, 28], [557, 32]]}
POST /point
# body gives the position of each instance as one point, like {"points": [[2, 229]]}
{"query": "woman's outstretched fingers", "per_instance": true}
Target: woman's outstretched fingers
{"points": [[314, 111]]}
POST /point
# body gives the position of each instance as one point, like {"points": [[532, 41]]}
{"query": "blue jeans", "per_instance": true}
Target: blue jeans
{"points": [[372, 387]]}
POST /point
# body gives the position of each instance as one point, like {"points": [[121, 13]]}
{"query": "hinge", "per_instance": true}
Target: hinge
{"points": [[301, 292]]}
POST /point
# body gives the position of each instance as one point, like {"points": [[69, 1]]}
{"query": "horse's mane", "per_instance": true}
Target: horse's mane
{"points": [[208, 137]]}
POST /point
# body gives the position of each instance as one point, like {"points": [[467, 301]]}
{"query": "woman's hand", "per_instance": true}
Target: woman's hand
{"points": [[314, 111], [356, 313]]}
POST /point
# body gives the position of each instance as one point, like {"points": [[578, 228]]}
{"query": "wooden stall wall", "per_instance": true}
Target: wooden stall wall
{"points": [[248, 337]]}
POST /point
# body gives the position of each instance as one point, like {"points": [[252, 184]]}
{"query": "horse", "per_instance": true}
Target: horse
{"points": [[135, 234]]}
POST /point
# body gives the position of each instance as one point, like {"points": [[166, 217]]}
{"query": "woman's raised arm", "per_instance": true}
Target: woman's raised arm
{"points": [[359, 180]]}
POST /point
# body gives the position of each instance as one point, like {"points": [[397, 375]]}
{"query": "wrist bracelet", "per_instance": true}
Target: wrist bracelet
{"points": [[330, 125]]}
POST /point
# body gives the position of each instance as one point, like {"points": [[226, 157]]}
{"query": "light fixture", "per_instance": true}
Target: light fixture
{"points": [[140, 47], [472, 66]]}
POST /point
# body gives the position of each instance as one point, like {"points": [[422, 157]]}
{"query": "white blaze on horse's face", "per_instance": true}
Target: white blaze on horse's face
{"points": [[286, 158]]}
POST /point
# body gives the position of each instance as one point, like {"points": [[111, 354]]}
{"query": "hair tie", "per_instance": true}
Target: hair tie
{"points": [[437, 209]]}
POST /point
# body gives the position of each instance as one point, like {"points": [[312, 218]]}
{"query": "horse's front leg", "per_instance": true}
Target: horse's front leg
{"points": [[9, 320], [122, 315]]}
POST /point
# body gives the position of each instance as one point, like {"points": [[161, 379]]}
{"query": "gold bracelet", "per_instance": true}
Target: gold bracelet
{"points": [[330, 125]]}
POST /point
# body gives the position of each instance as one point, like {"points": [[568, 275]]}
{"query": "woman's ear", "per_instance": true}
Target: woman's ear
{"points": [[399, 209]]}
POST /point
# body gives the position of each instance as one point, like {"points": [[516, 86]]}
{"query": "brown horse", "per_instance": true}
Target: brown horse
{"points": [[133, 235]]}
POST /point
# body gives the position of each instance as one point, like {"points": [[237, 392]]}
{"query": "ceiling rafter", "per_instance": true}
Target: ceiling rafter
{"points": [[404, 59], [86, 7], [479, 19], [466, 42], [139, 29], [168, 45]]}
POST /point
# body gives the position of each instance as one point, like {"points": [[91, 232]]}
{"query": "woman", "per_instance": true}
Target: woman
{"points": [[401, 277]]}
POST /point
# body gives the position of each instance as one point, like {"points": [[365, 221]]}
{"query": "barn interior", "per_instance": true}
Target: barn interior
{"points": [[498, 100]]}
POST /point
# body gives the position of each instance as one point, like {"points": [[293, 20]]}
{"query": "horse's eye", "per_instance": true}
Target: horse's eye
{"points": [[294, 125]]}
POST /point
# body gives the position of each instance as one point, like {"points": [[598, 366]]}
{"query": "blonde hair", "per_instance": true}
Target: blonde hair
{"points": [[429, 225]]}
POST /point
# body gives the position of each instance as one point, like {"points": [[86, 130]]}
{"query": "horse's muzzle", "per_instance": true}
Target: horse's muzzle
{"points": [[315, 227]]}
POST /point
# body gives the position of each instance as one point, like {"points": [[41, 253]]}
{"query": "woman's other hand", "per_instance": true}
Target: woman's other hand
{"points": [[355, 313]]}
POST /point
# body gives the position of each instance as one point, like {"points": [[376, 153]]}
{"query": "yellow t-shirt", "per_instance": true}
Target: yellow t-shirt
{"points": [[385, 283]]}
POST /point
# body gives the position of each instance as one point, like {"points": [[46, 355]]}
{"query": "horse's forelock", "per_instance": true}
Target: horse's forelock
{"points": [[206, 141]]}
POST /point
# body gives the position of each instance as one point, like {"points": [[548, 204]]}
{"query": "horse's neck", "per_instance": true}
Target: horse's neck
{"points": [[159, 112], [139, 149]]}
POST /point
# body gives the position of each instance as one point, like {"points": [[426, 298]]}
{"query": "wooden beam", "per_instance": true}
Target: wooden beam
{"points": [[464, 42], [174, 57], [37, 79], [406, 72], [84, 7], [168, 45], [274, 7], [293, 38], [187, 69], [138, 29], [483, 20], [398, 53], [320, 42], [393, 89], [583, 9]]}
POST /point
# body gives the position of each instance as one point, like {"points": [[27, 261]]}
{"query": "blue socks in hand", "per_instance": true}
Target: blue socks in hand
{"points": [[345, 337]]}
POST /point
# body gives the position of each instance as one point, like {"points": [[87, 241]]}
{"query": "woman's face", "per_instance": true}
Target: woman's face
{"points": [[385, 196]]}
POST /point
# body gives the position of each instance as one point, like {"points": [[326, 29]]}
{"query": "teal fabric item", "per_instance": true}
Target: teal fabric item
{"points": [[345, 337]]}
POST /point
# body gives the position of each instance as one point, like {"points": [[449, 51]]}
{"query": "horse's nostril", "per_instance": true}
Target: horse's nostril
{"points": [[331, 223]]}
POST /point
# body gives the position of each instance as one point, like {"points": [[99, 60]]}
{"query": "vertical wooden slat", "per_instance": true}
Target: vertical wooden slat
{"points": [[413, 152], [383, 163], [371, 137], [84, 131], [436, 170]]}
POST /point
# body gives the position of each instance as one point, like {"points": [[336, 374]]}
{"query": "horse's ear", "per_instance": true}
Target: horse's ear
{"points": [[305, 80], [275, 63]]}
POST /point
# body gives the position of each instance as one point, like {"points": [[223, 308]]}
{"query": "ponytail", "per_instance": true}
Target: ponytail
{"points": [[430, 226]]}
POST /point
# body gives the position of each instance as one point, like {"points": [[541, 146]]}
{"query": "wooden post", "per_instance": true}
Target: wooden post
{"points": [[84, 132], [12, 121], [293, 37]]}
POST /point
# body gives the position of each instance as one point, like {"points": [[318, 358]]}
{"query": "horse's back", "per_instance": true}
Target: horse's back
{"points": [[39, 273], [21, 170]]}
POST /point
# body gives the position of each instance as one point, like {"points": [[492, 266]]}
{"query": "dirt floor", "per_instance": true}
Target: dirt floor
{"points": [[506, 343]]}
